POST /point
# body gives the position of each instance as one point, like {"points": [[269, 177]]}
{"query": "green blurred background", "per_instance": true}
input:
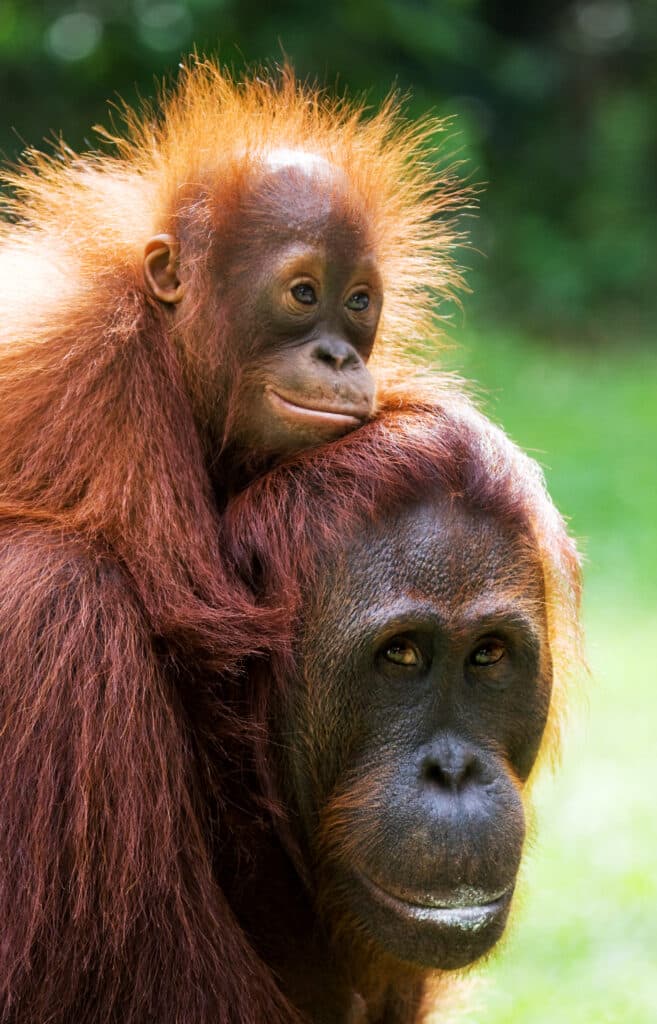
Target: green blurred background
{"points": [[555, 110]]}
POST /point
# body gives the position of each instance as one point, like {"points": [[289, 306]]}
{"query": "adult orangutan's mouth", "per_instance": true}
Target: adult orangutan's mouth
{"points": [[330, 416], [468, 910]]}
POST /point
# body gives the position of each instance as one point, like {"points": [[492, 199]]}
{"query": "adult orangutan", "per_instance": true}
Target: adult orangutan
{"points": [[432, 597], [324, 836]]}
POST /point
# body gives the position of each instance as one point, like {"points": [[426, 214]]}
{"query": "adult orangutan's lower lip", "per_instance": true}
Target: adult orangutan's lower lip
{"points": [[312, 415], [467, 911]]}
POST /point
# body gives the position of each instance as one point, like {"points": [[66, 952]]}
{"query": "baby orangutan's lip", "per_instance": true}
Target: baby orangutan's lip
{"points": [[344, 418]]}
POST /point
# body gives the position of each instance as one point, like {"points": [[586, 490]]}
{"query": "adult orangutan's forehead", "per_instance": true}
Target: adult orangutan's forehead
{"points": [[441, 551]]}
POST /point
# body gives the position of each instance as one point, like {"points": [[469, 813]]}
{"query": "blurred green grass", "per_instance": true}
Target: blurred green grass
{"points": [[583, 945]]}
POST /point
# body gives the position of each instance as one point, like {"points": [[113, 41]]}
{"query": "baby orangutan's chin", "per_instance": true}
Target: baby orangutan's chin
{"points": [[276, 425], [301, 421]]}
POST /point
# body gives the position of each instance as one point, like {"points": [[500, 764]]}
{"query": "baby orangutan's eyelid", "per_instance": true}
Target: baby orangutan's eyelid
{"points": [[301, 260], [297, 276], [303, 277]]}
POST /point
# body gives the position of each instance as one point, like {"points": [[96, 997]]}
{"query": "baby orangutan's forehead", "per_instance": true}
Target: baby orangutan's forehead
{"points": [[299, 193], [299, 159]]}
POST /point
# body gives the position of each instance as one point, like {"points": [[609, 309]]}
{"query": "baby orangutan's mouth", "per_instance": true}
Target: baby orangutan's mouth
{"points": [[341, 417]]}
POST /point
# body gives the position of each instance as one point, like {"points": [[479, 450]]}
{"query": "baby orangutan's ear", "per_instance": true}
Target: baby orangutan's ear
{"points": [[161, 268]]}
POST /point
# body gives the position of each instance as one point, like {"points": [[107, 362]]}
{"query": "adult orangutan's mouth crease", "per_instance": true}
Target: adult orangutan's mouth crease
{"points": [[466, 910]]}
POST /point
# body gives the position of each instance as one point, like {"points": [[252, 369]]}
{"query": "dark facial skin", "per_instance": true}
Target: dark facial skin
{"points": [[428, 684], [299, 295], [309, 310]]}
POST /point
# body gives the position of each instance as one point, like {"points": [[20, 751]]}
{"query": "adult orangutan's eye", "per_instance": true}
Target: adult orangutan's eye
{"points": [[400, 651], [305, 294], [488, 652], [358, 302]]}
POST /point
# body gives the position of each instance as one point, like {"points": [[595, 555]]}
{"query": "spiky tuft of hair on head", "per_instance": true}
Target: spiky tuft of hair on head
{"points": [[172, 157]]}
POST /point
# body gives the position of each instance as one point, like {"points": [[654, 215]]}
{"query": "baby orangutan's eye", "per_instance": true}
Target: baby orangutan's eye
{"points": [[488, 652], [305, 294], [400, 651], [358, 302]]}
